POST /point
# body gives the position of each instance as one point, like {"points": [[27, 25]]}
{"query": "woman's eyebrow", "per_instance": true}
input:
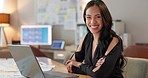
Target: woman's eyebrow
{"points": [[99, 14]]}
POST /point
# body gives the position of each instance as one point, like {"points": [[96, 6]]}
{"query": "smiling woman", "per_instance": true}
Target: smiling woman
{"points": [[93, 51]]}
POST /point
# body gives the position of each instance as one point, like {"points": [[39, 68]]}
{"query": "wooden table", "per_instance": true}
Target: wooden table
{"points": [[62, 68], [4, 53], [6, 72]]}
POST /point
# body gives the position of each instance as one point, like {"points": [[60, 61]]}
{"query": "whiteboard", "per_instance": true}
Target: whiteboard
{"points": [[55, 12]]}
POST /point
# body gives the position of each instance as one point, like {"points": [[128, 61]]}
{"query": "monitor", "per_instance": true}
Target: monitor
{"points": [[58, 44], [36, 34]]}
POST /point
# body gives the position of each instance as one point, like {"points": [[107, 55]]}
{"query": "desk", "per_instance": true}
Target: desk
{"points": [[62, 68], [11, 70], [4, 53]]}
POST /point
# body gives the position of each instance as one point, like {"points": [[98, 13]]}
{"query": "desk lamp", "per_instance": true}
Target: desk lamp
{"points": [[4, 21]]}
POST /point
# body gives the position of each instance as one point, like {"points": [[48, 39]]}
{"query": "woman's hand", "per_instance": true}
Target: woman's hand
{"points": [[71, 63], [98, 64], [100, 61], [69, 66]]}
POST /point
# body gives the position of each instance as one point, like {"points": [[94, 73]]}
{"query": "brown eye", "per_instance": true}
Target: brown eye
{"points": [[88, 17], [98, 16]]}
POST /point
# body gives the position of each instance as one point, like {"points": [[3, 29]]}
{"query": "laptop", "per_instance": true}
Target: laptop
{"points": [[28, 64]]}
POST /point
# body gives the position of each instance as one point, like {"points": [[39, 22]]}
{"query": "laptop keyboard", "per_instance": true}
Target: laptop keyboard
{"points": [[55, 74], [51, 76]]}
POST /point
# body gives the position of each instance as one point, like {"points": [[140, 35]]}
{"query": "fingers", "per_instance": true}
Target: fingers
{"points": [[68, 61], [71, 63], [95, 69], [69, 67], [100, 62]]}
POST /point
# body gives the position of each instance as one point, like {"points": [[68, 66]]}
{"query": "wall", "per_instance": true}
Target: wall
{"points": [[135, 14], [27, 15], [132, 12], [26, 12], [10, 6]]}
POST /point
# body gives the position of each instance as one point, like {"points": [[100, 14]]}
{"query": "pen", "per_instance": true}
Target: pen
{"points": [[70, 59]]}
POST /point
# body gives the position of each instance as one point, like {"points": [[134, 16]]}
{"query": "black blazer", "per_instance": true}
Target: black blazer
{"points": [[109, 69]]}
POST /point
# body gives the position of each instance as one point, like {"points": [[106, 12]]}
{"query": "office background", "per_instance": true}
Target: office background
{"points": [[132, 12]]}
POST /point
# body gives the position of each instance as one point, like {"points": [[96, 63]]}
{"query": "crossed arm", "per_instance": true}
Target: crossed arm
{"points": [[101, 65], [102, 60]]}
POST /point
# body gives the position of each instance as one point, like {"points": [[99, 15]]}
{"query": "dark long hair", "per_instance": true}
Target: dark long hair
{"points": [[106, 31], [106, 17]]}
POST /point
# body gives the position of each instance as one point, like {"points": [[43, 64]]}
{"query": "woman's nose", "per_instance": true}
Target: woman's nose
{"points": [[93, 21]]}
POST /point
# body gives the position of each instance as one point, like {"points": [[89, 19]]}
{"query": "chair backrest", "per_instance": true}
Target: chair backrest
{"points": [[136, 51], [136, 68]]}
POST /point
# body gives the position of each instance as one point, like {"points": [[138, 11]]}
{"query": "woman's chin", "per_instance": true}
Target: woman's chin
{"points": [[94, 32]]}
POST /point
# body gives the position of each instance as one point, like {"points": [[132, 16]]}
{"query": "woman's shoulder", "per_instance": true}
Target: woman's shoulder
{"points": [[115, 36], [115, 40], [86, 38]]}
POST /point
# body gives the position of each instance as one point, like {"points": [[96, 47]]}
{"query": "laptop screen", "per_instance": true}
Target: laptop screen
{"points": [[26, 61]]}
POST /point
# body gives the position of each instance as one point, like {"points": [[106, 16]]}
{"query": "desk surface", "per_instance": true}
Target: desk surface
{"points": [[62, 68], [58, 66], [11, 70]]}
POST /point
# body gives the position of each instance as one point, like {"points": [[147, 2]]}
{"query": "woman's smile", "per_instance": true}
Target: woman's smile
{"points": [[94, 19]]}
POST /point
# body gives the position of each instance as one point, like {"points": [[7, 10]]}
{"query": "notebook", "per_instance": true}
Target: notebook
{"points": [[29, 66]]}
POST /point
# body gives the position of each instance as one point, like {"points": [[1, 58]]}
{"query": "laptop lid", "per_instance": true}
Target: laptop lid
{"points": [[26, 61]]}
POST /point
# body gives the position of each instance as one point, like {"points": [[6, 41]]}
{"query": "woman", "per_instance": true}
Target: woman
{"points": [[95, 45]]}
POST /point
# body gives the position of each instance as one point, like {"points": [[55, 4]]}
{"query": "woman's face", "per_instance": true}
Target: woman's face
{"points": [[94, 19]]}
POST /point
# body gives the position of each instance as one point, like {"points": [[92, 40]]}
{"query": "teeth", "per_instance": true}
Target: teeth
{"points": [[94, 26]]}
